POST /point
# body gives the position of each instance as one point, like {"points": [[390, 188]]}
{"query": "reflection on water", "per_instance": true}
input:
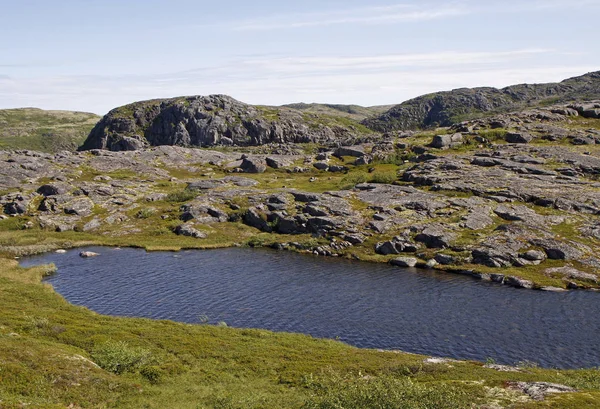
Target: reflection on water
{"points": [[363, 304]]}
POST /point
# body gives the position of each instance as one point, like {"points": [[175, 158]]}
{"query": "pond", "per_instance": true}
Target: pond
{"points": [[363, 304]]}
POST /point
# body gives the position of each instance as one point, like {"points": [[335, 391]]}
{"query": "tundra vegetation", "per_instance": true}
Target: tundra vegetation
{"points": [[510, 197]]}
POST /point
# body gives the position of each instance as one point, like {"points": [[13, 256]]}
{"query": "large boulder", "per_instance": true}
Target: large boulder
{"points": [[435, 236], [518, 137], [253, 165], [356, 151], [446, 141], [53, 189]]}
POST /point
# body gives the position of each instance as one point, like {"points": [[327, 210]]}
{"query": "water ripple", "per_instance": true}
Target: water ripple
{"points": [[367, 305]]}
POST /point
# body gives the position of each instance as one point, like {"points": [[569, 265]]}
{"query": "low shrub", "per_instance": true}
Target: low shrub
{"points": [[383, 393], [384, 177], [181, 196], [353, 179], [145, 213], [119, 357]]}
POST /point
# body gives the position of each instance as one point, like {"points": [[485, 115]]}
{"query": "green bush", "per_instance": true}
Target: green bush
{"points": [[383, 177], [145, 213], [353, 179], [493, 134], [119, 357], [151, 373], [181, 196], [385, 392]]}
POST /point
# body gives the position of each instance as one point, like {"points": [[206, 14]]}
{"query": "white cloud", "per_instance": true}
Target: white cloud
{"points": [[364, 80], [370, 15], [398, 13], [377, 62]]}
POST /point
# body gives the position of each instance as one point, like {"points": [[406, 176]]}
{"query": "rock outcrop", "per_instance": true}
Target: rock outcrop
{"points": [[213, 120]]}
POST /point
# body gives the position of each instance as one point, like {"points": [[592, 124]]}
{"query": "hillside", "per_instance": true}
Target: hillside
{"points": [[216, 120], [356, 112], [450, 107], [46, 131]]}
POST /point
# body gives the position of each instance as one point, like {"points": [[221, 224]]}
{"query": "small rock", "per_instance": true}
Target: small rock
{"points": [[539, 390], [53, 189], [518, 282], [518, 137], [188, 230], [337, 168], [502, 368], [321, 165], [534, 255], [92, 225], [86, 254], [444, 259], [404, 262], [61, 251]]}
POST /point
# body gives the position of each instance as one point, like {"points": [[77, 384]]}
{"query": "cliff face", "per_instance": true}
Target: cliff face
{"points": [[449, 107], [213, 120]]}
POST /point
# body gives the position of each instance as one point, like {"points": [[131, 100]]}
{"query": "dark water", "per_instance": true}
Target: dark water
{"points": [[363, 304]]}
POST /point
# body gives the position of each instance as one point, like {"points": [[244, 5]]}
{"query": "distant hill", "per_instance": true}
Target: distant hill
{"points": [[219, 120], [46, 131], [450, 107], [356, 112]]}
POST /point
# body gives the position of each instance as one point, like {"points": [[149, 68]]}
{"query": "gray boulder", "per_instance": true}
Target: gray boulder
{"points": [[435, 237], [556, 250], [518, 282], [518, 137], [356, 151], [79, 207], [321, 165], [53, 189], [190, 231], [253, 165], [254, 218], [446, 141], [404, 262]]}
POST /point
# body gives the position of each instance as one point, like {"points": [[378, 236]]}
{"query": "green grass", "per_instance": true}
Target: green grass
{"points": [[46, 131]]}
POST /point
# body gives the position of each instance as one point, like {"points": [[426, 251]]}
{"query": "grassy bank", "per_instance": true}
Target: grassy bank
{"points": [[50, 352]]}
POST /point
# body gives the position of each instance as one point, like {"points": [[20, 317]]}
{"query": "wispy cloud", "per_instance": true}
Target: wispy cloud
{"points": [[365, 80], [399, 13], [388, 61], [413, 12]]}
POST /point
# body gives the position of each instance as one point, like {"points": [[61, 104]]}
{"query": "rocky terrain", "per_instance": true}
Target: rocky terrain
{"points": [[510, 197], [449, 107], [513, 198]]}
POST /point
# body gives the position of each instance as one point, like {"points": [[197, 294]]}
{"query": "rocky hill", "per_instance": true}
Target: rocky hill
{"points": [[216, 120], [449, 107], [46, 131]]}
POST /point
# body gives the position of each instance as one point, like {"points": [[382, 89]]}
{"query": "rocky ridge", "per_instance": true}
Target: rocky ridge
{"points": [[449, 107]]}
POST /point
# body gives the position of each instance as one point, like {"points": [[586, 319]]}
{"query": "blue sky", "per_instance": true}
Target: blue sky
{"points": [[95, 55]]}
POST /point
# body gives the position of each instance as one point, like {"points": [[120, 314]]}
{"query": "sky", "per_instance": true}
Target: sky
{"points": [[95, 55]]}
